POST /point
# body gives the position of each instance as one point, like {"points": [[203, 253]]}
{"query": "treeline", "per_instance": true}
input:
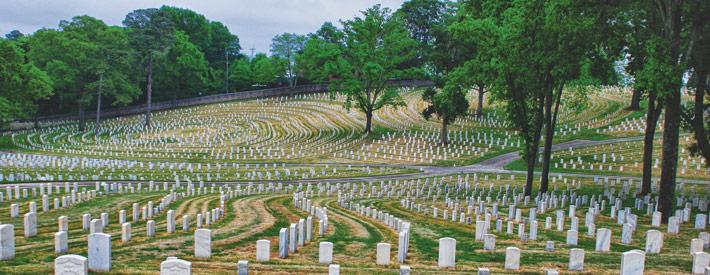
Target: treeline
{"points": [[165, 54]]}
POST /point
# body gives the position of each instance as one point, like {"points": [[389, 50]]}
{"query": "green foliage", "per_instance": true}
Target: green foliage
{"points": [[14, 35], [266, 70], [212, 39], [374, 49], [240, 74], [447, 104], [423, 19], [150, 30], [286, 47], [184, 70], [660, 71], [21, 84], [320, 60], [77, 57]]}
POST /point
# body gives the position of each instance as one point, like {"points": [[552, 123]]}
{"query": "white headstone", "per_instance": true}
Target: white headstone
{"points": [[263, 250], [701, 260], [632, 262], [603, 240], [175, 266], [71, 265], [325, 253], [30, 224], [576, 259], [203, 243], [61, 242], [7, 241], [654, 241], [512, 258], [383, 253], [99, 252], [447, 252]]}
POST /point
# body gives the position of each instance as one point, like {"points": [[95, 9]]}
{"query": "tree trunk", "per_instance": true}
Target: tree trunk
{"points": [[635, 100], [671, 125], [669, 163], [149, 92], [444, 133], [97, 127], [652, 115], [368, 122], [479, 110], [530, 176], [698, 122], [550, 121]]}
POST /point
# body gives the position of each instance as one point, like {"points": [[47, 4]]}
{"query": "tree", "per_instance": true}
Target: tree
{"points": [[151, 32], [213, 39], [532, 50], [674, 30], [287, 46], [320, 60], [447, 104], [113, 65], [14, 35], [21, 84], [82, 55], [265, 70], [421, 18], [328, 33], [636, 35], [474, 32], [697, 116], [183, 69], [240, 74], [375, 48]]}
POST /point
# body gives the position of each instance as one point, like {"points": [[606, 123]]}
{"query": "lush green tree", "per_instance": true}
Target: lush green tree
{"points": [[14, 35], [240, 74], [636, 34], [21, 84], [468, 43], [151, 33], [676, 28], [320, 60], [574, 33], [375, 48], [213, 39], [447, 104], [329, 33], [545, 44], [113, 65], [68, 62], [697, 116], [194, 25], [287, 46], [183, 70], [224, 47], [82, 56], [265, 70], [421, 18]]}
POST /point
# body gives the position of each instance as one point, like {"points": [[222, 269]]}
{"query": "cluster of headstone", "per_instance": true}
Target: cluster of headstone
{"points": [[464, 203], [425, 147], [624, 157], [98, 257], [467, 203], [14, 167]]}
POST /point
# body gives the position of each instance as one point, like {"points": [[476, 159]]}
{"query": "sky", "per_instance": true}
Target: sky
{"points": [[254, 21]]}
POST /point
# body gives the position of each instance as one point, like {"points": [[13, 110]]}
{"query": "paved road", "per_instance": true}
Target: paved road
{"points": [[493, 165]]}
